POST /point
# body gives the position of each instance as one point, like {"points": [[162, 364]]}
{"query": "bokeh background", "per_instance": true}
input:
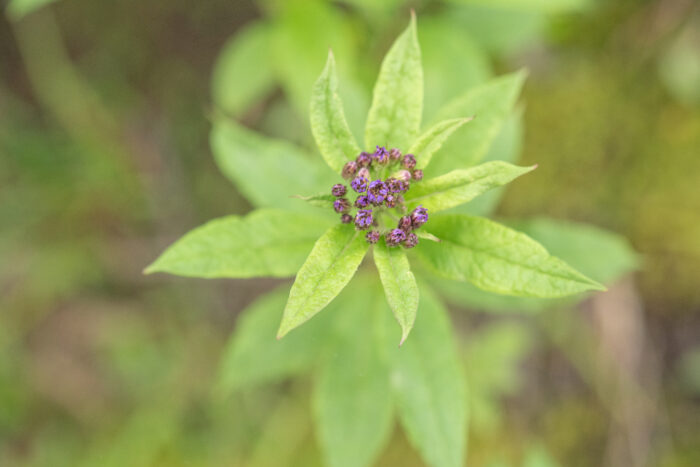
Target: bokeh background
{"points": [[105, 114]]}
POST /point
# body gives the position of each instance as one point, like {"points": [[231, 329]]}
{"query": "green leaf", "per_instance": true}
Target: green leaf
{"points": [[397, 102], [253, 356], [543, 6], [352, 397], [320, 201], [490, 104], [498, 259], [430, 141], [267, 242], [266, 171], [462, 185], [331, 131], [399, 283], [329, 267], [16, 9], [243, 73], [429, 387]]}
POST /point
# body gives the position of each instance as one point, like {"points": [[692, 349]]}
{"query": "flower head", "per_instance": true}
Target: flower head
{"points": [[419, 216], [362, 202], [405, 224], [363, 219], [372, 236], [339, 190], [364, 159], [408, 162], [341, 205], [411, 240], [376, 192], [346, 218], [394, 155], [417, 175], [349, 170], [395, 237], [381, 155], [359, 184]]}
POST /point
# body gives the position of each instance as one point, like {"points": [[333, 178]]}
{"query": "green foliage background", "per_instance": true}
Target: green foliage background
{"points": [[105, 159]]}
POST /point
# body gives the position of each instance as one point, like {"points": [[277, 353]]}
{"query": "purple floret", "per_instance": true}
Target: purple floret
{"points": [[395, 237], [363, 219], [359, 184], [419, 216], [372, 236], [341, 205], [349, 170], [411, 240], [339, 190], [362, 202], [376, 192], [381, 155], [364, 159]]}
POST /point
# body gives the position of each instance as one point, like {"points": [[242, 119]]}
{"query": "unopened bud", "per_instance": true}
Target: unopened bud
{"points": [[408, 161], [418, 175]]}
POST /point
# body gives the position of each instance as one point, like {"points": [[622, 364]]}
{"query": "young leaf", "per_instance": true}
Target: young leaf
{"points": [[329, 267], [352, 397], [320, 201], [462, 185], [490, 104], [430, 141], [399, 284], [250, 246], [498, 259], [429, 388], [266, 171], [397, 101], [253, 356], [328, 124]]}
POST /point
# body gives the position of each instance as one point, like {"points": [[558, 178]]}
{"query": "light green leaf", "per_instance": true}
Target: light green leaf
{"points": [[253, 356], [352, 397], [16, 9], [490, 104], [320, 201], [432, 140], [542, 6], [462, 185], [397, 102], [399, 283], [329, 267], [429, 387], [243, 73], [266, 171], [331, 131], [250, 246], [498, 259]]}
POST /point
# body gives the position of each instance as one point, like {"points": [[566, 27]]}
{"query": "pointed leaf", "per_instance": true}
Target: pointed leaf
{"points": [[432, 140], [490, 104], [267, 171], [399, 284], [462, 185], [320, 201], [352, 398], [329, 267], [397, 102], [328, 124], [498, 259], [428, 386], [252, 246]]}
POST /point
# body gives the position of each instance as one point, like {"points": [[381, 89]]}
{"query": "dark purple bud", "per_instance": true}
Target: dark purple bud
{"points": [[418, 175], [394, 155], [381, 156], [364, 159], [411, 240], [395, 237], [359, 184], [404, 186], [408, 162], [393, 185], [346, 218], [376, 192], [364, 173], [419, 216], [390, 201], [339, 190], [372, 236], [363, 219], [403, 175], [362, 202], [349, 170], [341, 205], [405, 224]]}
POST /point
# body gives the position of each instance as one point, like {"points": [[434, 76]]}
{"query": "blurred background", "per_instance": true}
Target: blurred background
{"points": [[104, 160]]}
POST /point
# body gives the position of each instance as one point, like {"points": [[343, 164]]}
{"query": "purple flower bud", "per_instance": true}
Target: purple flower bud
{"points": [[362, 202], [372, 236], [395, 237], [390, 201], [339, 190], [349, 170], [419, 216], [408, 161], [376, 192], [381, 156], [393, 185], [405, 224], [359, 184], [418, 175], [364, 173], [363, 219], [394, 155], [341, 205], [411, 240], [403, 175], [364, 159], [346, 218]]}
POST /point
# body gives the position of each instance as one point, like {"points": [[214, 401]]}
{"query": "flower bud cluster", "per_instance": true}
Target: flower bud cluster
{"points": [[375, 197]]}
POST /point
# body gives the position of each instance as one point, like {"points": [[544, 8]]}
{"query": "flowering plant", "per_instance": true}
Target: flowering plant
{"points": [[395, 213]]}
